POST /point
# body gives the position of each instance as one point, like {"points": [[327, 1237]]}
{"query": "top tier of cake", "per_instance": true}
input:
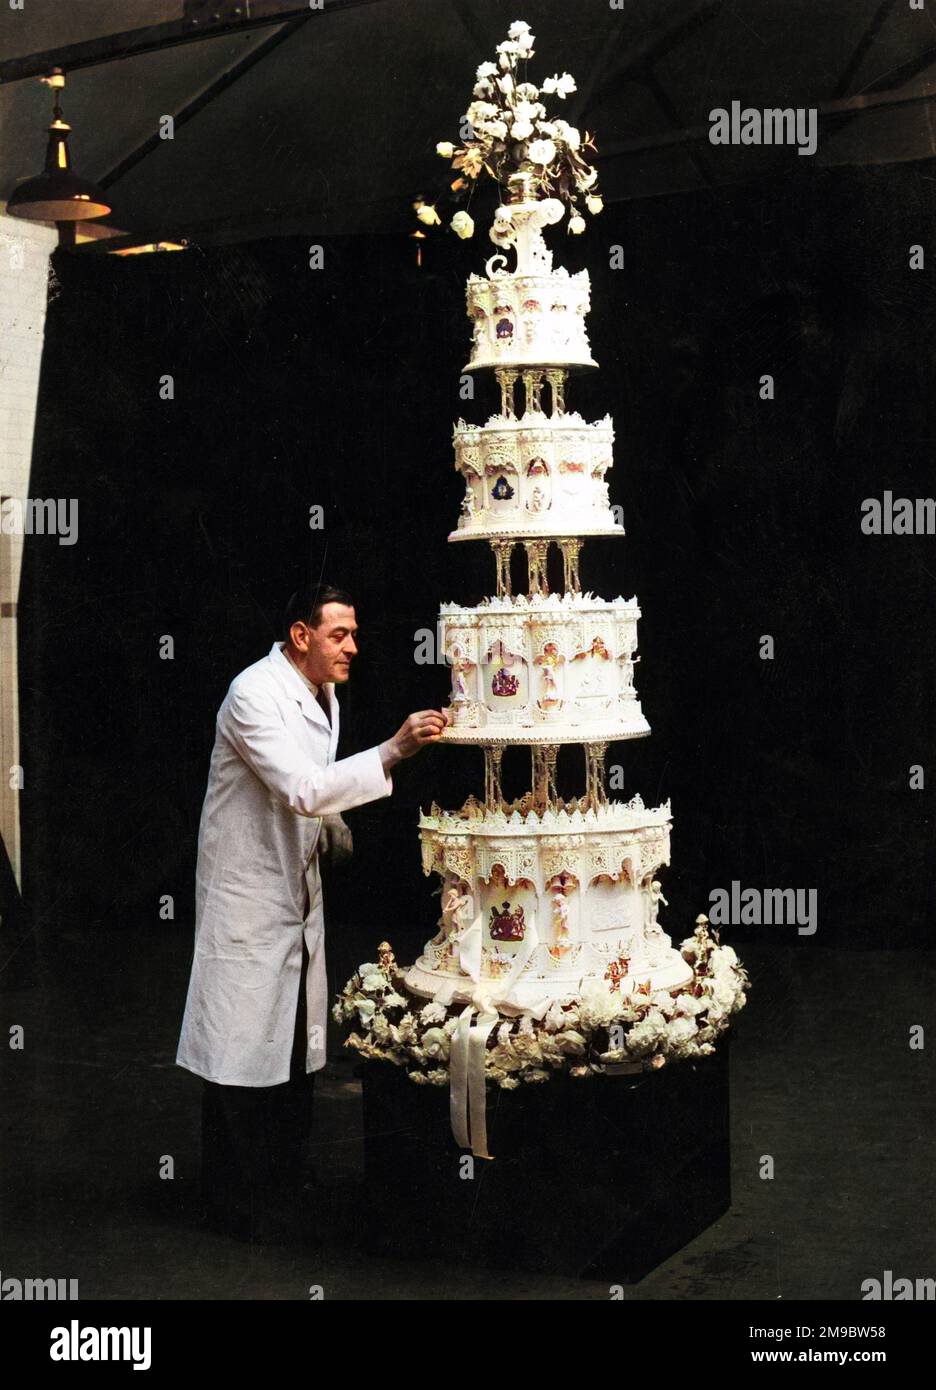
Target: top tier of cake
{"points": [[533, 315]]}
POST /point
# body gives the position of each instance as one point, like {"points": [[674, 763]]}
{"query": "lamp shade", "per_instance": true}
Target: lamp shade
{"points": [[57, 194]]}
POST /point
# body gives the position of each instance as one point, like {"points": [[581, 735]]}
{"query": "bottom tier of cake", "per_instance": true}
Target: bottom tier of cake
{"points": [[536, 907]]}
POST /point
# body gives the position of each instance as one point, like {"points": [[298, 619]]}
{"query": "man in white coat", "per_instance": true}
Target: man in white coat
{"points": [[256, 1013]]}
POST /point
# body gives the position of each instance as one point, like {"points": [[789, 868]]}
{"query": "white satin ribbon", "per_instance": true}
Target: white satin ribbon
{"points": [[468, 1089], [458, 1079]]}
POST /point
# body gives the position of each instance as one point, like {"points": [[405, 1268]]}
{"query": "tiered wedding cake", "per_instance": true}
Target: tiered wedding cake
{"points": [[542, 897]]}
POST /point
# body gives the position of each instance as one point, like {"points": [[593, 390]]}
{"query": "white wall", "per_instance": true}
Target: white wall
{"points": [[24, 273]]}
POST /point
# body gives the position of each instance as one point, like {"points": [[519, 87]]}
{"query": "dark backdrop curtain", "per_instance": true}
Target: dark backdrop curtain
{"points": [[338, 388]]}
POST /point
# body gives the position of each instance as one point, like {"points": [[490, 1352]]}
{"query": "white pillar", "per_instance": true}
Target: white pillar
{"points": [[25, 248]]}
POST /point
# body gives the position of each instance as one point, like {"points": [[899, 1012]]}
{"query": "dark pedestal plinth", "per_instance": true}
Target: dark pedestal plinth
{"points": [[602, 1178]]}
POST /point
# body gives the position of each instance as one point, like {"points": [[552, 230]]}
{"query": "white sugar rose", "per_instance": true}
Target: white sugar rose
{"points": [[365, 1009], [576, 225], [526, 1046], [486, 70], [553, 1020], [432, 1013], [521, 130], [445, 148], [480, 111], [680, 1030], [504, 1058], [431, 218], [435, 1043], [562, 86], [595, 203], [462, 225], [542, 152]]}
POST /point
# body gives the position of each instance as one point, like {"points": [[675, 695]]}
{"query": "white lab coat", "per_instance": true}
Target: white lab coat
{"points": [[273, 776]]}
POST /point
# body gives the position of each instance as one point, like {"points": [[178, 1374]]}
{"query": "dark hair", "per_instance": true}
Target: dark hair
{"points": [[306, 604]]}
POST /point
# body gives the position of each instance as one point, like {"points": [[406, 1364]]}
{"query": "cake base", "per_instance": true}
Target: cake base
{"points": [[537, 994], [602, 1178]]}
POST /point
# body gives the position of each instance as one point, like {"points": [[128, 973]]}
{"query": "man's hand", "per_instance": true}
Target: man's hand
{"points": [[426, 726], [335, 844]]}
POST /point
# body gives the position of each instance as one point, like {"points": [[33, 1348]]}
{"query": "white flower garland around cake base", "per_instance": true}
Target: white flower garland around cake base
{"points": [[582, 1036]]}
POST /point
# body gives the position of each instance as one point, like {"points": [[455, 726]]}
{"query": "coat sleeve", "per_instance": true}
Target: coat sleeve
{"points": [[254, 725]]}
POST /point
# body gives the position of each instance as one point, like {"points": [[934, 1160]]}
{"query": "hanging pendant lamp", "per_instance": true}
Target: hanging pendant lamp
{"points": [[58, 194]]}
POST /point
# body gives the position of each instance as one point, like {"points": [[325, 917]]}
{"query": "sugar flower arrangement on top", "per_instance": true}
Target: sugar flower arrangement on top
{"points": [[510, 132]]}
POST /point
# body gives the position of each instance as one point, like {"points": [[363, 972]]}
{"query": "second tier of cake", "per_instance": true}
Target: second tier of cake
{"points": [[548, 669], [539, 475]]}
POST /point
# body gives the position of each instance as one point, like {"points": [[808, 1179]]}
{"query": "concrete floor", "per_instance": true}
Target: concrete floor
{"points": [[823, 1080]]}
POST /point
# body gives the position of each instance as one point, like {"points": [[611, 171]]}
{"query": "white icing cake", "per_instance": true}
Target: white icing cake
{"points": [[532, 315], [541, 475], [552, 669], [543, 895], [519, 320], [534, 906]]}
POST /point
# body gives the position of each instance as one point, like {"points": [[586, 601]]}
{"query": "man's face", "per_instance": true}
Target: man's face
{"points": [[324, 653]]}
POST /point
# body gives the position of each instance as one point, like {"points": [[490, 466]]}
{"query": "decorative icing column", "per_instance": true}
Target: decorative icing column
{"points": [[537, 551], [503, 549], [595, 794], [507, 380], [545, 795], [556, 377], [492, 777], [532, 386], [571, 547]]}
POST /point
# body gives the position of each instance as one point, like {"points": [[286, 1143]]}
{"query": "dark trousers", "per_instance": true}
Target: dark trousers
{"points": [[254, 1138]]}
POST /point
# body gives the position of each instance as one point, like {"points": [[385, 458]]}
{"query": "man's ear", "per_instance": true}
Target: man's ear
{"points": [[299, 637]]}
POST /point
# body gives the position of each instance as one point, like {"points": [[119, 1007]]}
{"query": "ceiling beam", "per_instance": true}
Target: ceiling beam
{"points": [[843, 86], [130, 43], [199, 102]]}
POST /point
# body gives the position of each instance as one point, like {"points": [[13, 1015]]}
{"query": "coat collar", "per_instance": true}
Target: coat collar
{"points": [[296, 687]]}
